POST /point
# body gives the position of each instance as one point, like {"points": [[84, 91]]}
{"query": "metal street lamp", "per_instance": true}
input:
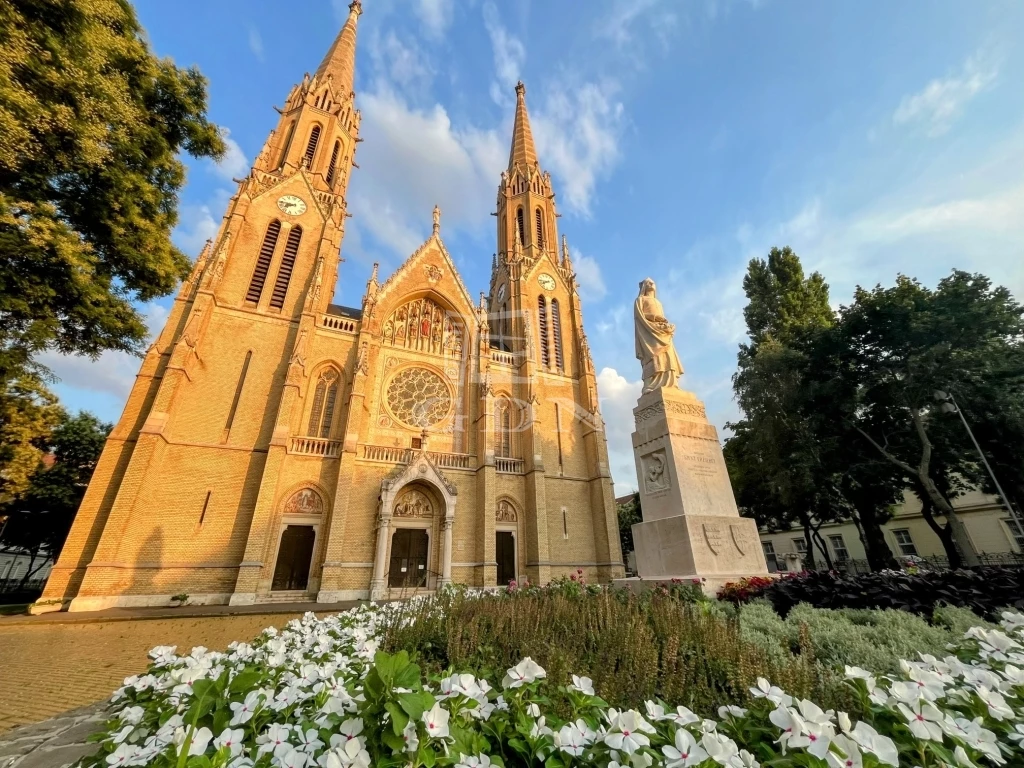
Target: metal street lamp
{"points": [[949, 405]]}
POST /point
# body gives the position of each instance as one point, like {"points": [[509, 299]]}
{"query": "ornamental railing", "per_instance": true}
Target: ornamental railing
{"points": [[502, 358], [316, 446], [336, 323], [392, 455], [509, 466]]}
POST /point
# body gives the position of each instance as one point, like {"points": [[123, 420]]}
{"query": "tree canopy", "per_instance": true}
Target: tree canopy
{"points": [[91, 127]]}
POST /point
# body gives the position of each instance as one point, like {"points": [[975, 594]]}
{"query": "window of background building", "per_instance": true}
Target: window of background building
{"points": [[769, 556], [801, 547], [839, 547], [1016, 532], [905, 542]]}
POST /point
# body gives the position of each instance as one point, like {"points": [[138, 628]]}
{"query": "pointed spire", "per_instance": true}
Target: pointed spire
{"points": [[566, 261], [340, 61], [523, 151], [437, 219]]}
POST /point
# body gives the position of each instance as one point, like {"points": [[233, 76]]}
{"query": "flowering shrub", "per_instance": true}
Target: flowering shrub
{"points": [[320, 693], [986, 590]]}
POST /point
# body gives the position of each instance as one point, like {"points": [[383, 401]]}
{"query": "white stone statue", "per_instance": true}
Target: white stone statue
{"points": [[654, 348]]}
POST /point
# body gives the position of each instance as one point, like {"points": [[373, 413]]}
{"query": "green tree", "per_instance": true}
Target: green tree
{"points": [[28, 413], [629, 513], [39, 521], [91, 126], [893, 348]]}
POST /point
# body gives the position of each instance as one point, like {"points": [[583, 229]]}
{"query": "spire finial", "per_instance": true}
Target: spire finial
{"points": [[437, 219], [565, 250], [424, 436]]}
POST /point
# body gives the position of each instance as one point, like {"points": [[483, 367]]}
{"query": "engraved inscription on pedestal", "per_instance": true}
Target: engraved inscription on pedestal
{"points": [[655, 472], [714, 534], [744, 539]]}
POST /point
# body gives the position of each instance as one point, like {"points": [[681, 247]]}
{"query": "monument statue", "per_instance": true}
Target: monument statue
{"points": [[691, 527], [654, 347]]}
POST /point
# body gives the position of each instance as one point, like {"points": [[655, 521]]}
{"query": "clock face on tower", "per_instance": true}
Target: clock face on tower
{"points": [[292, 205], [547, 282]]}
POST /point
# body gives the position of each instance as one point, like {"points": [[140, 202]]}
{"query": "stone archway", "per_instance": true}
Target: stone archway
{"points": [[399, 503]]}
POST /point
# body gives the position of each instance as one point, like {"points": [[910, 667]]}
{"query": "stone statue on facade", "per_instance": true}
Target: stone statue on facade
{"points": [[654, 347]]}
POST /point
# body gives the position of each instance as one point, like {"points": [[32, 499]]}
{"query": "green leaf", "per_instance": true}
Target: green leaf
{"points": [[399, 719], [415, 704], [407, 676], [246, 681]]}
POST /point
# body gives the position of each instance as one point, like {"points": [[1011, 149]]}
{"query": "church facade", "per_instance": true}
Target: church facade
{"points": [[279, 447]]}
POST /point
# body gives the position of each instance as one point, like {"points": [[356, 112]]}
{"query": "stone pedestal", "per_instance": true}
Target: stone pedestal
{"points": [[691, 527]]}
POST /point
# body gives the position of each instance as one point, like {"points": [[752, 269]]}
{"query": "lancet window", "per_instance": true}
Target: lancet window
{"points": [[325, 398], [259, 275], [556, 333], [425, 326], [333, 164], [314, 139], [519, 223], [539, 217], [503, 428], [542, 330], [284, 272]]}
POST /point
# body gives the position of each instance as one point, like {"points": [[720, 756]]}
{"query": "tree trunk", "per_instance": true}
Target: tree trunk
{"points": [[808, 544], [880, 557], [943, 532], [28, 571], [822, 547]]}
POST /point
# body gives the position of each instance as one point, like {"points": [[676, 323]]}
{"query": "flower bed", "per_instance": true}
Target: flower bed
{"points": [[986, 591], [320, 693]]}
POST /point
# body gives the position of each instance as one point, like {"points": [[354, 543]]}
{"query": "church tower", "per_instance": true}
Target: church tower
{"points": [[277, 447]]}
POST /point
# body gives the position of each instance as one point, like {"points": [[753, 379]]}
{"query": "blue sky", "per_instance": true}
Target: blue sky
{"points": [[684, 137]]}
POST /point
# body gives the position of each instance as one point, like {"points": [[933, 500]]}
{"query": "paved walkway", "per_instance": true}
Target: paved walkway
{"points": [[57, 662]]}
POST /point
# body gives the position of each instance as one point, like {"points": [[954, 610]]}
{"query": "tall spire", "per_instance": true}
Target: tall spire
{"points": [[523, 150], [340, 61]]}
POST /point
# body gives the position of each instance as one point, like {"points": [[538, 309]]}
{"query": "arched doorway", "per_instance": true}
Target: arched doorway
{"points": [[413, 517], [300, 524]]}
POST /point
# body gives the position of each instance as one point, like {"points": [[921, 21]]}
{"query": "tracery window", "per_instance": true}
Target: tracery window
{"points": [[545, 349], [333, 164], [325, 398], [284, 272], [424, 326], [418, 397], [556, 333], [259, 275], [519, 223], [539, 217], [503, 428]]}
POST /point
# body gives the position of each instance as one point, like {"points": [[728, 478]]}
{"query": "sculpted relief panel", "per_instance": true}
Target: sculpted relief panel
{"points": [[425, 326], [304, 502], [655, 471], [413, 503]]}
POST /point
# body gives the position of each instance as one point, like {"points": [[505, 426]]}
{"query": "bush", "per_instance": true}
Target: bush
{"points": [[985, 591], [633, 647]]}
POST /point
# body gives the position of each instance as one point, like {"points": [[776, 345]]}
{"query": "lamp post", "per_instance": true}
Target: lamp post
{"points": [[949, 405]]}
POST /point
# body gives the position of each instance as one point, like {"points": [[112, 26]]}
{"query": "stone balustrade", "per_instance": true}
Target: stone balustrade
{"points": [[315, 446]]}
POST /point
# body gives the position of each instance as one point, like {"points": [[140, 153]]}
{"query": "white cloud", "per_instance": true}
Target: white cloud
{"points": [[588, 274], [196, 225], [943, 100], [618, 397], [624, 17], [112, 373], [255, 42], [400, 63], [436, 15], [234, 164], [509, 55]]}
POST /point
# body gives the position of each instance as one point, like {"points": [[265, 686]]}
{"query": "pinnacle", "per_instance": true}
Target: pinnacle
{"points": [[523, 150], [340, 61]]}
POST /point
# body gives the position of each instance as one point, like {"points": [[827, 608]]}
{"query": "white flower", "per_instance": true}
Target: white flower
{"points": [[411, 737], [523, 673], [122, 755], [685, 752], [308, 740], [244, 710], [132, 715], [731, 710], [350, 754], [924, 718], [350, 729], [996, 704], [745, 760], [962, 759], [200, 740], [274, 739], [789, 722], [720, 748], [856, 673], [436, 721], [871, 741], [574, 738], [773, 693], [627, 734], [815, 739], [583, 684], [1018, 730], [849, 753], [163, 654], [533, 710], [473, 761], [233, 739]]}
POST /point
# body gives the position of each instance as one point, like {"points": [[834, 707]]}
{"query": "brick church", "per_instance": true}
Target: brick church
{"points": [[277, 447]]}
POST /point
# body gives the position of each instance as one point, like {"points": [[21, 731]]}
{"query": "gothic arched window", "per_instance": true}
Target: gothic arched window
{"points": [[333, 163], [325, 397], [556, 333], [503, 428], [314, 139], [284, 272], [539, 217], [545, 350], [287, 144], [519, 223], [259, 274]]}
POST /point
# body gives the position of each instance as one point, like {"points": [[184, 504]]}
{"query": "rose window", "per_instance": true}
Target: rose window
{"points": [[419, 397]]}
